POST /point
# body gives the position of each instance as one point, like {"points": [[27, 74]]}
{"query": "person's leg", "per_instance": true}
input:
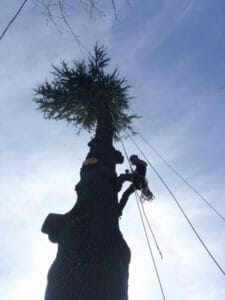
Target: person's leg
{"points": [[125, 177], [125, 197], [121, 179]]}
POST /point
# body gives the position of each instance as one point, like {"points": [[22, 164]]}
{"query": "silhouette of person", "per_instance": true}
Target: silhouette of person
{"points": [[137, 177]]}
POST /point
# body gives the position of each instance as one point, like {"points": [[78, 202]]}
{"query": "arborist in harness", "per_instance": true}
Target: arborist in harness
{"points": [[137, 177]]}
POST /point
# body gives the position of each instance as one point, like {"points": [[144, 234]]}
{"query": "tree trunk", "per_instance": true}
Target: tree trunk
{"points": [[93, 258]]}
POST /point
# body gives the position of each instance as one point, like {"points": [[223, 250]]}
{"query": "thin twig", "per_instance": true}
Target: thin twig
{"points": [[13, 19], [115, 10], [76, 37], [50, 17], [91, 6], [62, 12]]}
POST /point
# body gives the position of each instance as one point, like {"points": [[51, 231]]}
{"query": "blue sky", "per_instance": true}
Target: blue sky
{"points": [[172, 53]]}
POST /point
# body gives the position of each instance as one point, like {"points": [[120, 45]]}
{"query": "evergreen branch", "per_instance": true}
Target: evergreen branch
{"points": [[77, 93]]}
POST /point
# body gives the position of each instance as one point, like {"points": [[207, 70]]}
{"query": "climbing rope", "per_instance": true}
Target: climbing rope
{"points": [[149, 246], [144, 228], [150, 228], [142, 206], [181, 177], [142, 220], [180, 207]]}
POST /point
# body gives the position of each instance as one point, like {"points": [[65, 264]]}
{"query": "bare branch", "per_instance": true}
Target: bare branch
{"points": [[91, 6], [13, 19], [115, 10], [65, 20], [48, 13], [55, 13], [62, 12]]}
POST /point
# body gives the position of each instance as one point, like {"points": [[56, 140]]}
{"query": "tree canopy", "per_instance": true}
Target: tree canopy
{"points": [[77, 92]]}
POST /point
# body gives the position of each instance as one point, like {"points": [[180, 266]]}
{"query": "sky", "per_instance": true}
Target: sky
{"points": [[172, 53]]}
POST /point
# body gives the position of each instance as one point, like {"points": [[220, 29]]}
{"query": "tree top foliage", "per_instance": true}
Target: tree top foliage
{"points": [[77, 92]]}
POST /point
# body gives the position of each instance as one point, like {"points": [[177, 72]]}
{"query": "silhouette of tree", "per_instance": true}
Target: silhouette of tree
{"points": [[93, 258]]}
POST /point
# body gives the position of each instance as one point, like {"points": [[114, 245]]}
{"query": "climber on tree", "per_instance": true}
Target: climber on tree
{"points": [[137, 177]]}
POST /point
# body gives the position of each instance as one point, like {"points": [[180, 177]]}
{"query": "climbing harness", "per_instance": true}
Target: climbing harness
{"points": [[141, 184]]}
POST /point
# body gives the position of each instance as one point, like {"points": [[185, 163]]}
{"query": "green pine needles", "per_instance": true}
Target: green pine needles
{"points": [[76, 94]]}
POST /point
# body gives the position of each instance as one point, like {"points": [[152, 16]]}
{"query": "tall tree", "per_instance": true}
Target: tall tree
{"points": [[93, 258]]}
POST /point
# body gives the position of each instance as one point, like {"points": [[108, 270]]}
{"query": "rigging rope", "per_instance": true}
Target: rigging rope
{"points": [[180, 207], [181, 177]]}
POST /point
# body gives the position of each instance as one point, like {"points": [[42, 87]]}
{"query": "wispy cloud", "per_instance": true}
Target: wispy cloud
{"points": [[175, 78]]}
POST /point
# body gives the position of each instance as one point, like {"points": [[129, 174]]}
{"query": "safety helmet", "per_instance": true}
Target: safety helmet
{"points": [[133, 157]]}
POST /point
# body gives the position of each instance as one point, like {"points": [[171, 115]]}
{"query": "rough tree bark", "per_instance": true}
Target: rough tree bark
{"points": [[93, 258]]}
